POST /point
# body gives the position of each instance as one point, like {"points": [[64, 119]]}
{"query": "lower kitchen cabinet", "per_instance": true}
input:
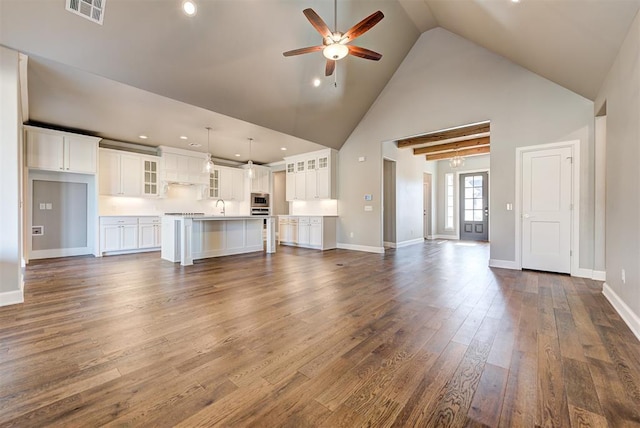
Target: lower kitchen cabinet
{"points": [[129, 234], [308, 231]]}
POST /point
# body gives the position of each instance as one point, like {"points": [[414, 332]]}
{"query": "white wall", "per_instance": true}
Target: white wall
{"points": [[621, 92], [447, 81], [10, 170]]}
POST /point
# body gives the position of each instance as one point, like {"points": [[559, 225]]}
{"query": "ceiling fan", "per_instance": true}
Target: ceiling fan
{"points": [[334, 44]]}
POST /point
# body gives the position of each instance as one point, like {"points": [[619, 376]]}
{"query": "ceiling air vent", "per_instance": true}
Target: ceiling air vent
{"points": [[93, 10]]}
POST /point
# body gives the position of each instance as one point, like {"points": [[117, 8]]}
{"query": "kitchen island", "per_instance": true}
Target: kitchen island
{"points": [[186, 238]]}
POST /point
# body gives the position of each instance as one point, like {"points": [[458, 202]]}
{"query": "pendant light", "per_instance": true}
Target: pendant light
{"points": [[208, 164], [250, 162], [456, 161]]}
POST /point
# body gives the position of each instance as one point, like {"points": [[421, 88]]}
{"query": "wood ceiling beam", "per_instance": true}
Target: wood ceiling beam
{"points": [[466, 152], [474, 142], [463, 131]]}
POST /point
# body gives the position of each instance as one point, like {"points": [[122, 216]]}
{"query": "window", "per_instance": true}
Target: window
{"points": [[448, 180]]}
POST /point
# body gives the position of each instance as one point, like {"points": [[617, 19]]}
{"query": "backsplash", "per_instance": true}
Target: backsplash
{"points": [[178, 199]]}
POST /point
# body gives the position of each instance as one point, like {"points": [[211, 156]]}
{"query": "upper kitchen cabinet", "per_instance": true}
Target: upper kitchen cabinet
{"points": [[311, 176], [231, 183], [183, 166], [61, 151], [128, 174], [260, 182]]}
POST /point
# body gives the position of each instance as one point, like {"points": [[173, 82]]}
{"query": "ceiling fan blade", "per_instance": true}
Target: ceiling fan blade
{"points": [[317, 22], [303, 50], [364, 53], [363, 26], [330, 67]]}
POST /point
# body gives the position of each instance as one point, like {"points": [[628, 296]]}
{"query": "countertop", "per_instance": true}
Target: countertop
{"points": [[220, 217]]}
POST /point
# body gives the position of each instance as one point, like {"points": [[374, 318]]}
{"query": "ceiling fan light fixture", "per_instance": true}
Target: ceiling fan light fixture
{"points": [[335, 51]]}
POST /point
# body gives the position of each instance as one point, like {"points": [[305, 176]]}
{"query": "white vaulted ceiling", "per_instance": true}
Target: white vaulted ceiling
{"points": [[151, 69]]}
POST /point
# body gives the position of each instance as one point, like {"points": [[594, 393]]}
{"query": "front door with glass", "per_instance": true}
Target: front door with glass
{"points": [[474, 207]]}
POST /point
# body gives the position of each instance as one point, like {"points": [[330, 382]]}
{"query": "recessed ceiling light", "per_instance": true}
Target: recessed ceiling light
{"points": [[237, 155], [283, 148], [144, 137], [189, 7], [184, 137], [195, 144], [316, 82]]}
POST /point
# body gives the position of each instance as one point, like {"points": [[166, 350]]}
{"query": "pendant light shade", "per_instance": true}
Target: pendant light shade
{"points": [[250, 162], [208, 164], [457, 161]]}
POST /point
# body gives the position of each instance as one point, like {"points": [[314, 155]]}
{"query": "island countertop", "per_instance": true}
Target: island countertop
{"points": [[187, 237], [220, 217]]}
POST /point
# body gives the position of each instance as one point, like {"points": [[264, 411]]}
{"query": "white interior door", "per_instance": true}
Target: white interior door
{"points": [[546, 209]]}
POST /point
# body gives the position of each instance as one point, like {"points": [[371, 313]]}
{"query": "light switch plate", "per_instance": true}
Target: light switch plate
{"points": [[43, 206], [49, 206], [368, 208]]}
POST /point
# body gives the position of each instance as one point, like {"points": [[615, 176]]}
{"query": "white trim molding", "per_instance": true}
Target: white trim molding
{"points": [[365, 248], [11, 298], [628, 316], [504, 264], [409, 242], [599, 275], [450, 237]]}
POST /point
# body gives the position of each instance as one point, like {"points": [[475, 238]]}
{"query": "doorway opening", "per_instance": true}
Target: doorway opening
{"points": [[389, 203], [474, 206]]}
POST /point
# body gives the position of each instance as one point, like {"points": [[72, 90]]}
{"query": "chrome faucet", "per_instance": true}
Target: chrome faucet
{"points": [[223, 206]]}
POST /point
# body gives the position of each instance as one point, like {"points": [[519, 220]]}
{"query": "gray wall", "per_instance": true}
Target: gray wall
{"points": [[448, 81], [621, 92], [10, 161], [65, 225]]}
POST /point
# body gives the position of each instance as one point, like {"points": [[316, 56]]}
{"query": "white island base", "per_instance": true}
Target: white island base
{"points": [[189, 238]]}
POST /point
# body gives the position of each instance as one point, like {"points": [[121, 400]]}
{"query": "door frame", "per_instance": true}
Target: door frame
{"points": [[428, 234], [384, 201], [575, 200], [456, 201]]}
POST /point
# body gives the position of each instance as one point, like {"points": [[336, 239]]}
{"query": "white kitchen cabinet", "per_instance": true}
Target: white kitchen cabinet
{"points": [[303, 231], [61, 151], [120, 173], [149, 232], [118, 233], [290, 181], [288, 229], [128, 174], [311, 176], [317, 232], [129, 234], [231, 183], [183, 166], [260, 182]]}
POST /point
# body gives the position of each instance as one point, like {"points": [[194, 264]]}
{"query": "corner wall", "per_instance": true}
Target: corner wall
{"points": [[10, 170], [447, 81], [621, 92]]}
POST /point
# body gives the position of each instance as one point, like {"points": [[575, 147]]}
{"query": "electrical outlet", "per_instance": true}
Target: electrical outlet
{"points": [[351, 235], [623, 276]]}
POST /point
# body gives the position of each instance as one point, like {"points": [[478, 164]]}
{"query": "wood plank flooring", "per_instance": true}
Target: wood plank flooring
{"points": [[425, 335]]}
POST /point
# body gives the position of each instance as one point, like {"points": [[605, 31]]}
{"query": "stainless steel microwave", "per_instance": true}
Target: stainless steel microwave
{"points": [[260, 200]]}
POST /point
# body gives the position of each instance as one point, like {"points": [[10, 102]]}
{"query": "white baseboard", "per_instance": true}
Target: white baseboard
{"points": [[630, 318], [583, 273], [366, 248], [503, 264], [445, 237], [388, 244], [122, 252], [599, 275], [410, 242], [11, 297], [62, 252]]}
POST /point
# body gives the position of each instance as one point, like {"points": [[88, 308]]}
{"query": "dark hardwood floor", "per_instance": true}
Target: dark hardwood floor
{"points": [[425, 335]]}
